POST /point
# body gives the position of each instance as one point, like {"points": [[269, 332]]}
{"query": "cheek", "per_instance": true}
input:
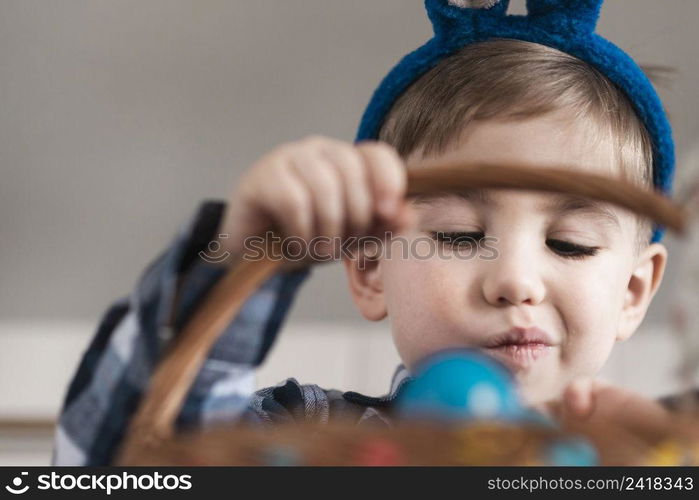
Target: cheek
{"points": [[591, 311], [423, 298]]}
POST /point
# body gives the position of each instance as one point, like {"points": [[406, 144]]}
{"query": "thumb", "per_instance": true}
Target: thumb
{"points": [[579, 398], [405, 218]]}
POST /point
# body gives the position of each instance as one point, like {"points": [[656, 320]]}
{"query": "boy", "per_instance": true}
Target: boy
{"points": [[570, 279]]}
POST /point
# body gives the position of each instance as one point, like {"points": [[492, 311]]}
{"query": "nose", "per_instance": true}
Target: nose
{"points": [[513, 279]]}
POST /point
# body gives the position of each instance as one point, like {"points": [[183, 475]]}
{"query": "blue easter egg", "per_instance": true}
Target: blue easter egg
{"points": [[572, 452], [461, 384]]}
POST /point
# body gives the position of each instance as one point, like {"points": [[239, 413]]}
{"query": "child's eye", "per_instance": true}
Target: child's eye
{"points": [[457, 238], [571, 250]]}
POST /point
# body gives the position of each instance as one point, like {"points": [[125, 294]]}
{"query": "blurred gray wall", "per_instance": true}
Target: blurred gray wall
{"points": [[118, 117]]}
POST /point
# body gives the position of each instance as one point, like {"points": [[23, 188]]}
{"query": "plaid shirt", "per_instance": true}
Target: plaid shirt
{"points": [[134, 332]]}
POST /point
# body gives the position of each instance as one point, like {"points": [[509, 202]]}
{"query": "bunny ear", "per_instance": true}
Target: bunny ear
{"points": [[449, 16], [565, 15]]}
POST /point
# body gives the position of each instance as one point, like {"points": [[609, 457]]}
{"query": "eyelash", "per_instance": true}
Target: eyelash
{"points": [[572, 250], [565, 249]]}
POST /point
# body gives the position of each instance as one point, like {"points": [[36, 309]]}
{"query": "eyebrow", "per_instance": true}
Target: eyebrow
{"points": [[561, 204], [479, 196], [564, 204]]}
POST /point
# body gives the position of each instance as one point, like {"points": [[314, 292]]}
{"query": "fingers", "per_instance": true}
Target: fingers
{"points": [[388, 177], [325, 188], [576, 401], [322, 187], [349, 187], [406, 217], [578, 398], [292, 207], [359, 203], [615, 415]]}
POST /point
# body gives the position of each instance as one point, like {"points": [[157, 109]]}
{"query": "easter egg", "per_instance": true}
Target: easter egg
{"points": [[461, 384], [571, 452]]}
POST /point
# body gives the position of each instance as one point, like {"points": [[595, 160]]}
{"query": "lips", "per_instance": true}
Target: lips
{"points": [[520, 348]]}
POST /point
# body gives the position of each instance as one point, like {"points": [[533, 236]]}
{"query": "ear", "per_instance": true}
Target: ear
{"points": [[565, 15], [365, 279], [643, 284]]}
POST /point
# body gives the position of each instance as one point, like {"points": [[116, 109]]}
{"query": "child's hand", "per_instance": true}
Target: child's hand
{"points": [[319, 187], [617, 420], [592, 402]]}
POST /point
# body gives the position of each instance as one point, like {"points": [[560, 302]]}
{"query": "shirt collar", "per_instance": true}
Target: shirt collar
{"points": [[400, 377]]}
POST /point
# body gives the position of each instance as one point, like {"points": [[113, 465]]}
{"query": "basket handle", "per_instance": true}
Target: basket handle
{"points": [[154, 420]]}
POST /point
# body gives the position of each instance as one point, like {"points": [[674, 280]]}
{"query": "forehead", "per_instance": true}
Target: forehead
{"points": [[553, 140]]}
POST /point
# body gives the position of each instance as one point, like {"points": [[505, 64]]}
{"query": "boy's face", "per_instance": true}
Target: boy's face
{"points": [[557, 282]]}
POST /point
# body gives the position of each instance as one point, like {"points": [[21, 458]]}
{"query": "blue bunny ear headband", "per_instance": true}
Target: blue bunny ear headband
{"points": [[566, 25]]}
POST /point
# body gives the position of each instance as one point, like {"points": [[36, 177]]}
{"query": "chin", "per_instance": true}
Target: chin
{"points": [[534, 391]]}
